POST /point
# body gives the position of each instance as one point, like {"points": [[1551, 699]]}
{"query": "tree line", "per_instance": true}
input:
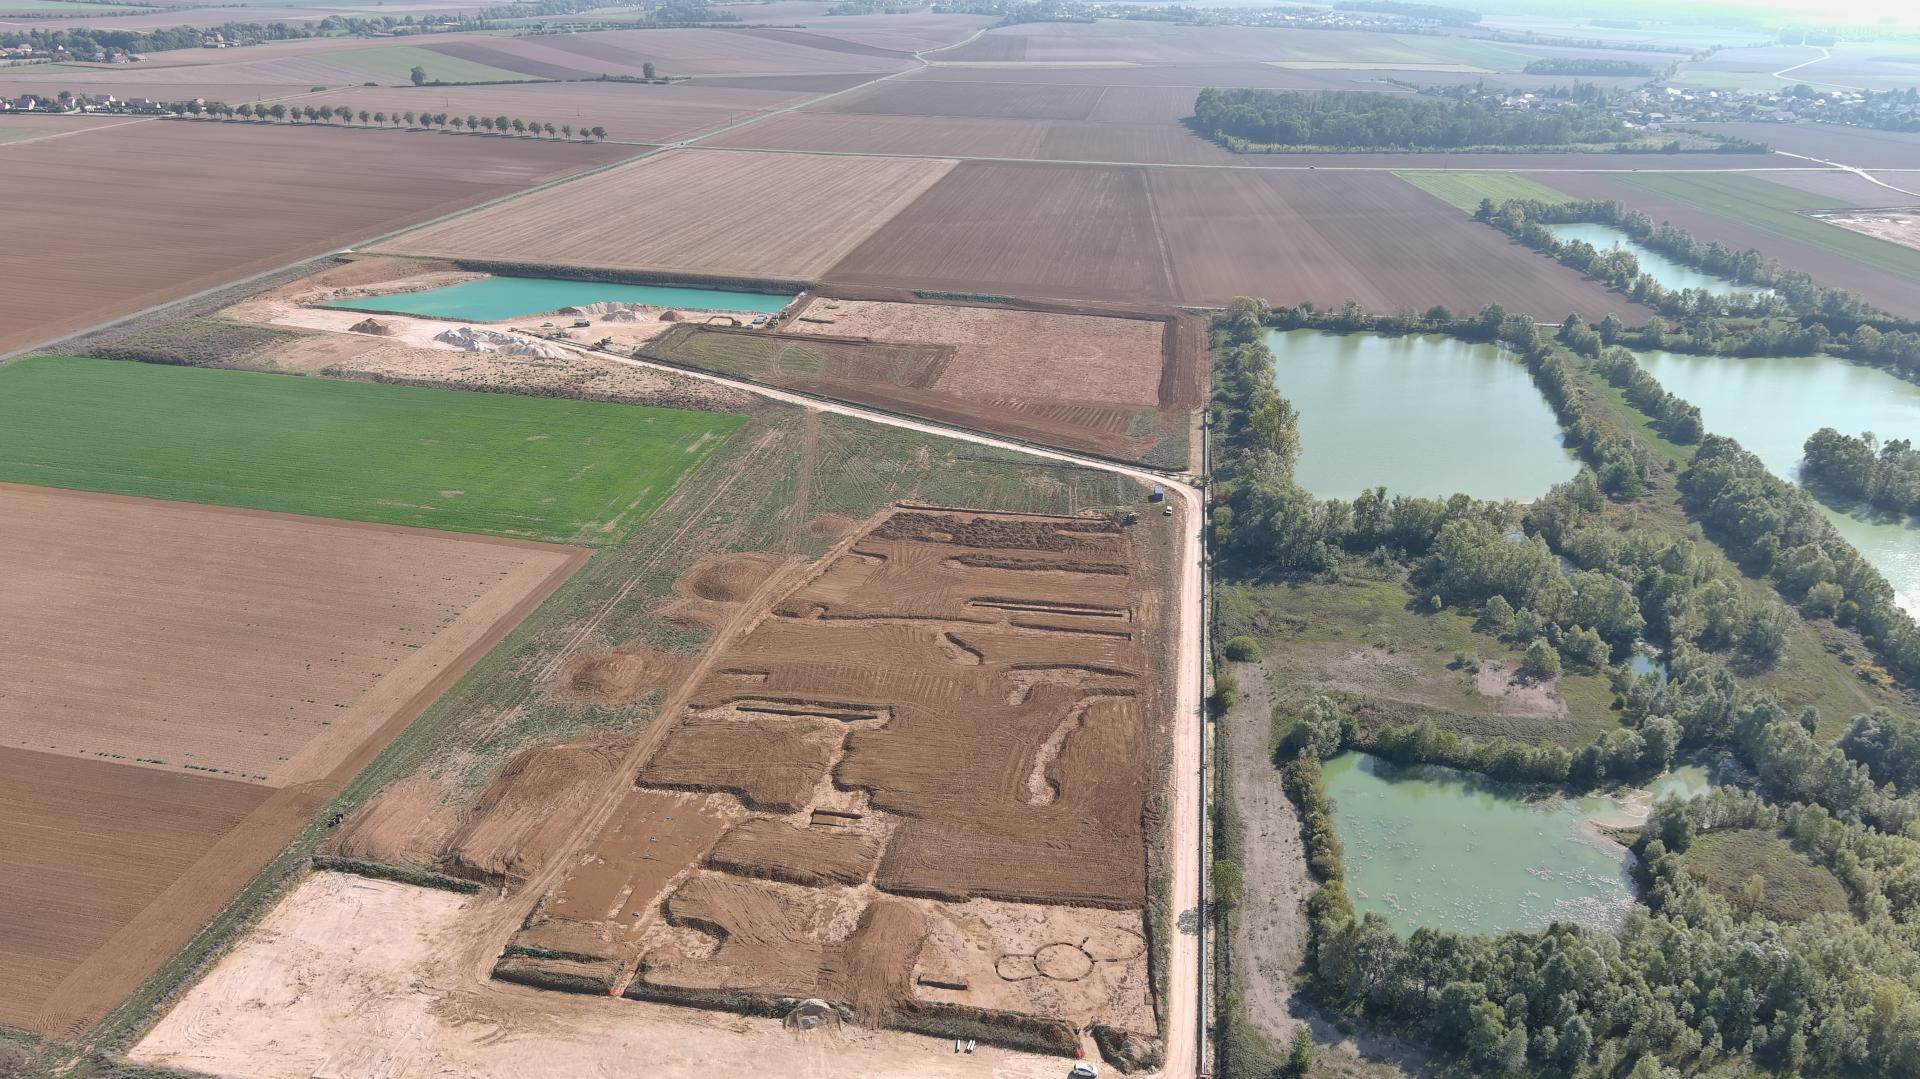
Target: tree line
{"points": [[1795, 316], [1253, 120], [1589, 65], [342, 114]]}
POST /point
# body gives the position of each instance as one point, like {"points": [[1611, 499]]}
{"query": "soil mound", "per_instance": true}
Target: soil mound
{"points": [[475, 339], [815, 857], [371, 326], [407, 824], [620, 674], [729, 578], [531, 811], [770, 764]]}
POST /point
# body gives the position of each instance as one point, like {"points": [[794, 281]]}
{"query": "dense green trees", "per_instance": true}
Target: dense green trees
{"points": [[1885, 474], [1775, 528], [1454, 119], [1590, 65]]}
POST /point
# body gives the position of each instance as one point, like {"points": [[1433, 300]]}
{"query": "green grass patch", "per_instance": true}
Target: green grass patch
{"points": [[1773, 209], [1371, 641], [1467, 50], [1795, 888], [395, 63], [1465, 189], [568, 471], [16, 134]]}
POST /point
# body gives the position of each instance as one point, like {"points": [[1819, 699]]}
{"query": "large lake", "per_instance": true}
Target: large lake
{"points": [[490, 299], [1674, 275], [1421, 414], [1772, 403], [1446, 849]]}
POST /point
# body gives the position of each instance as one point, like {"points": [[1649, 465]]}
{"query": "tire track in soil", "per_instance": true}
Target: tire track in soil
{"points": [[717, 492]]}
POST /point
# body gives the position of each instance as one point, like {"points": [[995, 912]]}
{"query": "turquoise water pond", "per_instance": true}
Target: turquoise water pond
{"points": [[491, 299], [1438, 847]]}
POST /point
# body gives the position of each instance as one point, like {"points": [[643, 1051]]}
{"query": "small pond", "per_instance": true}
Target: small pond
{"points": [[1672, 274], [1433, 846], [1770, 404], [1685, 782], [1640, 663], [1421, 415], [491, 299]]}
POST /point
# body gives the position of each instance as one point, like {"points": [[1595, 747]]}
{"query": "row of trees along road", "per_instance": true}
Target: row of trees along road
{"points": [[345, 115]]}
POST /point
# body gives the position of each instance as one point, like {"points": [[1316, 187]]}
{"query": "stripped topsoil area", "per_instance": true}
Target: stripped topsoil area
{"points": [[1116, 382], [915, 778], [920, 786], [188, 685]]}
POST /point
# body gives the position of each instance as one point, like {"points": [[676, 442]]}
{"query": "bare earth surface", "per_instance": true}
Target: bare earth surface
{"points": [[1899, 226], [362, 977], [207, 678], [1001, 352], [697, 212], [850, 724]]}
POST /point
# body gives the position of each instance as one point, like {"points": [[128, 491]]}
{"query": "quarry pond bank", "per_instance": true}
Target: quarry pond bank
{"points": [[1422, 414], [491, 299]]}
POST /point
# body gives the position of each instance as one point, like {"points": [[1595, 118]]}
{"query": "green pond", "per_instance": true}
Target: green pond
{"points": [[1446, 849], [1672, 274], [1687, 782], [491, 299], [1421, 415], [1772, 403]]}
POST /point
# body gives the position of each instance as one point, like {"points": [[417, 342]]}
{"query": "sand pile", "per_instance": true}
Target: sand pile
{"points": [[474, 339], [371, 326]]}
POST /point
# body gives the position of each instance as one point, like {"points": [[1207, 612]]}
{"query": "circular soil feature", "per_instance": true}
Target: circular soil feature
{"points": [[727, 578], [1063, 962], [617, 675]]}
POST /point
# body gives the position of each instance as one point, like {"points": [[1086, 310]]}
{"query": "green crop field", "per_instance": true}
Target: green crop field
{"points": [[395, 63], [535, 468], [1466, 189], [1772, 209]]}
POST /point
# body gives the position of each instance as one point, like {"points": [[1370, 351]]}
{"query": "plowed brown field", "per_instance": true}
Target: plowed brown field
{"points": [[958, 706], [695, 212], [1052, 231], [170, 667], [216, 202], [1204, 236], [1327, 237]]}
